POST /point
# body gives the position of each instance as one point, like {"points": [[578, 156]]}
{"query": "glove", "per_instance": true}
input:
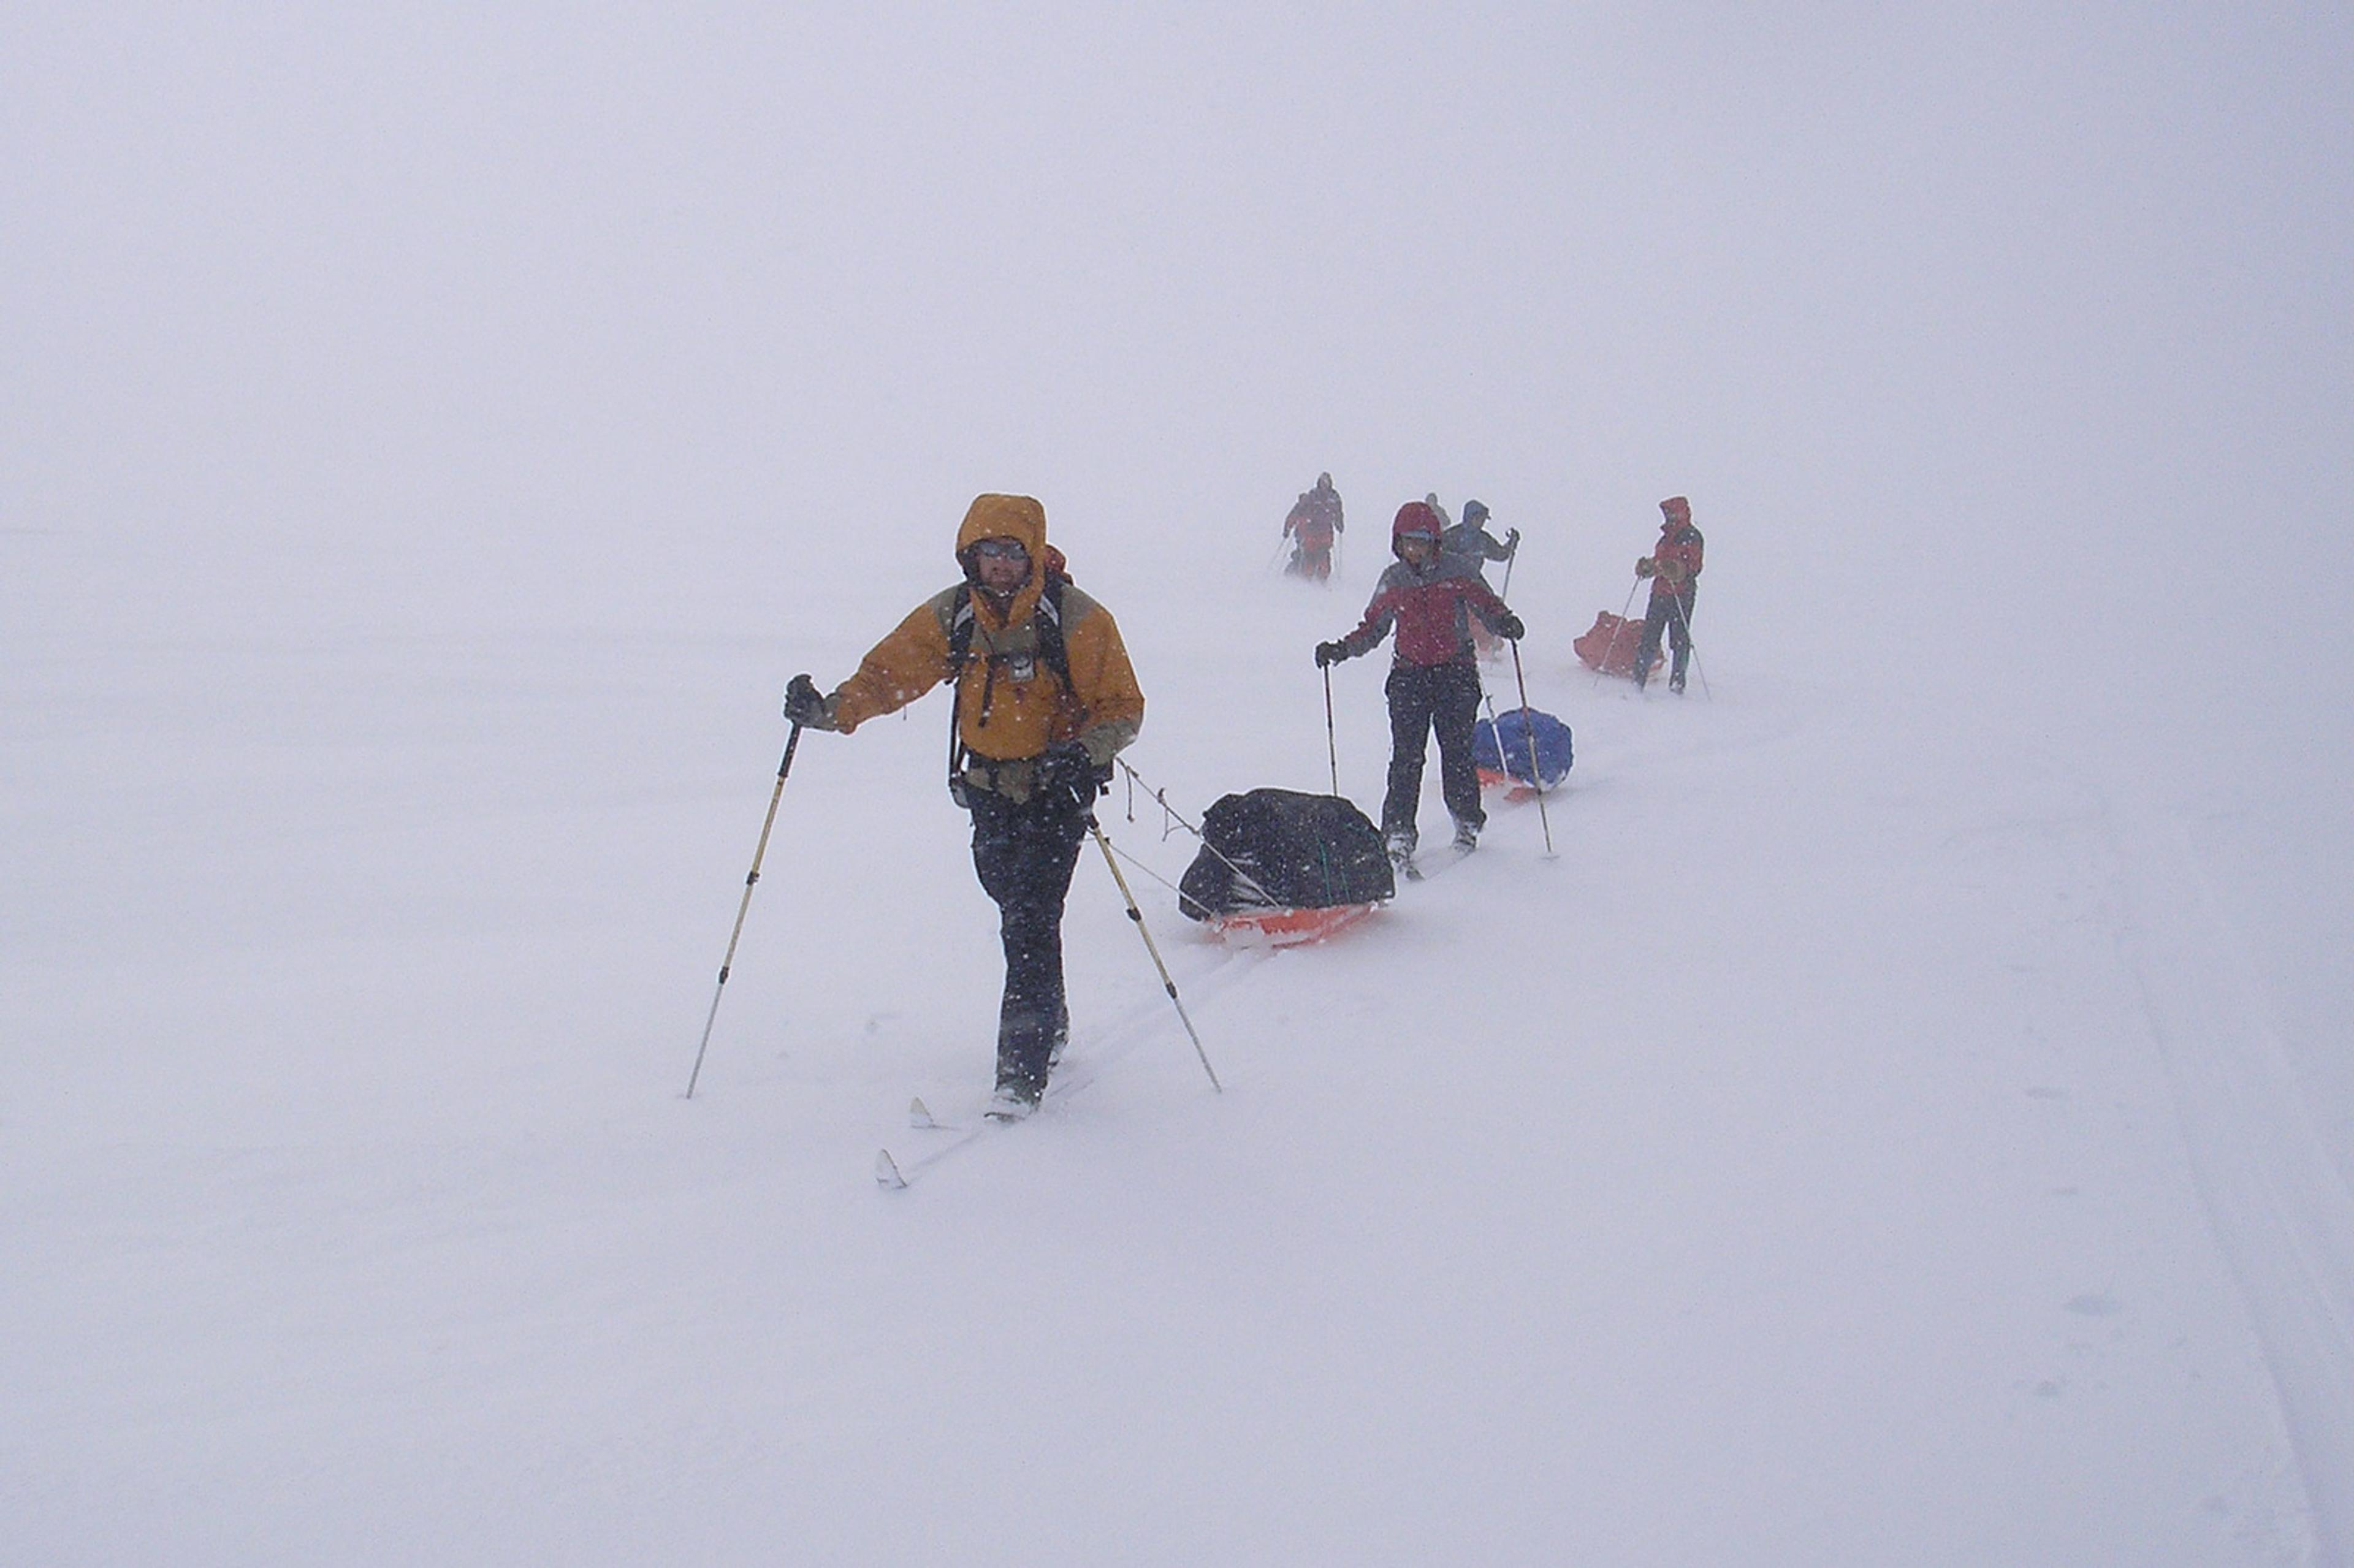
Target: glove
{"points": [[1645, 566], [1673, 573], [803, 705], [1510, 629], [1512, 540], [1329, 654], [1064, 771]]}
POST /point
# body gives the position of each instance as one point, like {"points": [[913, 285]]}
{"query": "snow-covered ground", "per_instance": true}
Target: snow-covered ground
{"points": [[1842, 1151], [1907, 1120]]}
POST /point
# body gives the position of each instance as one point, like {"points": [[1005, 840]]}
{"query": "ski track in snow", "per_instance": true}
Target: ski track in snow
{"points": [[2281, 1211]]}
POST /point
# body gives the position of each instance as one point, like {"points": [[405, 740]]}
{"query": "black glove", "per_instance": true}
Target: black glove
{"points": [[1510, 629], [1066, 772], [1513, 542], [804, 705], [1329, 654]]}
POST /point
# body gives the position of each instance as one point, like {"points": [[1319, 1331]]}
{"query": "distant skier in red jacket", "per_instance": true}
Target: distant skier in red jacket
{"points": [[1434, 684], [1313, 523], [1673, 566]]}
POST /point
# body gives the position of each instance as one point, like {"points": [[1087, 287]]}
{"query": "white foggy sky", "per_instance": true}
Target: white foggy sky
{"points": [[619, 303]]}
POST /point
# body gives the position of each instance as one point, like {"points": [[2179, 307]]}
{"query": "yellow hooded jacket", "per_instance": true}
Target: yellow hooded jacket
{"points": [[1011, 705]]}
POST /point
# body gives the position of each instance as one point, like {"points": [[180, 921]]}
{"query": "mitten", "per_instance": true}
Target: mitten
{"points": [[1066, 772], [804, 705]]}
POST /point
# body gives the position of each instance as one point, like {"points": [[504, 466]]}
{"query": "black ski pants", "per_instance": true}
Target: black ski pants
{"points": [[1671, 613], [1024, 854], [1423, 699]]}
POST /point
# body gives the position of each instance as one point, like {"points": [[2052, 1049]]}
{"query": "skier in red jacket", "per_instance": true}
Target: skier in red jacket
{"points": [[1673, 566], [1313, 523], [1434, 683]]}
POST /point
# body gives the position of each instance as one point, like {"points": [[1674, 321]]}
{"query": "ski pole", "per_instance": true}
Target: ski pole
{"points": [[1692, 646], [1537, 780], [727, 962], [1137, 916], [1603, 667], [1331, 745]]}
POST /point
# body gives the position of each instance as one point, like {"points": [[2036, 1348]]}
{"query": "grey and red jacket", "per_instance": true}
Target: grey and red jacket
{"points": [[1431, 612], [1679, 543], [1315, 518]]}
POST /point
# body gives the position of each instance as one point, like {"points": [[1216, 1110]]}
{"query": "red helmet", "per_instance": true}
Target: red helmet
{"points": [[1415, 517]]}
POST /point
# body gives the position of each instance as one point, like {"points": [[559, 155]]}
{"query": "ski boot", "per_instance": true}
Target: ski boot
{"points": [[1015, 1099]]}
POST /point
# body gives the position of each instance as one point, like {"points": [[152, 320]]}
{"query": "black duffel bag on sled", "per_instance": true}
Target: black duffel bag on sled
{"points": [[1282, 867]]}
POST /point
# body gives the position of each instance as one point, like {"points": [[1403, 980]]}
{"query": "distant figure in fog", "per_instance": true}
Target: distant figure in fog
{"points": [[1673, 566], [1470, 543], [1313, 527], [1470, 539]]}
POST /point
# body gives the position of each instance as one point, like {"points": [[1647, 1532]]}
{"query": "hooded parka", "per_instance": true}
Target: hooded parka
{"points": [[1675, 562], [1010, 704]]}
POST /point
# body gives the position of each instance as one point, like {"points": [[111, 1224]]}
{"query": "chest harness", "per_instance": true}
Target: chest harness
{"points": [[1046, 624]]}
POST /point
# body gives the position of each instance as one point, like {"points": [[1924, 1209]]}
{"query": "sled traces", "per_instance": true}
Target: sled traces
{"points": [[2281, 1213]]}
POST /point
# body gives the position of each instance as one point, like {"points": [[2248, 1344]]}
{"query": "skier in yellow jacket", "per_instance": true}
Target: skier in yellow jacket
{"points": [[1044, 699]]}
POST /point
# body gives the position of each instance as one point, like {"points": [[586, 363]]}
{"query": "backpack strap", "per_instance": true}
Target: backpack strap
{"points": [[1048, 620]]}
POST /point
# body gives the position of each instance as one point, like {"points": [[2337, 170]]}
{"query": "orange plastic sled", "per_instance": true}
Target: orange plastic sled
{"points": [[1611, 644], [1515, 790], [1287, 927]]}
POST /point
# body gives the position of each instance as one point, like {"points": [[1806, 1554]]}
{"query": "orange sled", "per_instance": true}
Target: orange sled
{"points": [[1611, 644], [1515, 790], [1286, 927]]}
